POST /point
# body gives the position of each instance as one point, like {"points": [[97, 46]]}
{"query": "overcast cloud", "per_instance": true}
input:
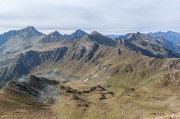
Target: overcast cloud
{"points": [[105, 16]]}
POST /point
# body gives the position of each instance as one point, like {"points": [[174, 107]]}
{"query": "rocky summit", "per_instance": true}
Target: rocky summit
{"points": [[88, 76]]}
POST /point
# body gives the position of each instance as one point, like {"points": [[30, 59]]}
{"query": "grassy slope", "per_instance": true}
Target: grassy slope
{"points": [[129, 104]]}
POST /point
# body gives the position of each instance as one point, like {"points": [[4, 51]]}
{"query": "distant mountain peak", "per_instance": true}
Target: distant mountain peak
{"points": [[79, 30], [95, 33], [29, 32], [29, 28], [138, 33], [98, 38], [78, 34], [55, 33], [132, 36]]}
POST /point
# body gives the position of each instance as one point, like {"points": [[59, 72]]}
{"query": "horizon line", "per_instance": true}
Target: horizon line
{"points": [[70, 31]]}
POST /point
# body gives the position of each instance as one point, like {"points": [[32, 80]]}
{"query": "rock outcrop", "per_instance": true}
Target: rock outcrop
{"points": [[39, 88]]}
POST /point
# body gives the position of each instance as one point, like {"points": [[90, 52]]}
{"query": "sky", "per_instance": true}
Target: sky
{"points": [[105, 16]]}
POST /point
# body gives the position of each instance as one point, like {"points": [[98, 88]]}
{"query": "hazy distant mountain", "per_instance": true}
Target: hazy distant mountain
{"points": [[143, 44], [112, 36], [169, 35], [164, 42]]}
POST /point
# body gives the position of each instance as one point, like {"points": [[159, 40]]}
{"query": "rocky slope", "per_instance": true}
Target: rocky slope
{"points": [[29, 98], [38, 88]]}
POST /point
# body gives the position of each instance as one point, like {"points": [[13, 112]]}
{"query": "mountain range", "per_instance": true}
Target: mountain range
{"points": [[28, 47], [169, 35], [169, 39], [88, 76]]}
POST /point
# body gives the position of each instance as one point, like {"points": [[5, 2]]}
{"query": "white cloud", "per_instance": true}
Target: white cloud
{"points": [[106, 16]]}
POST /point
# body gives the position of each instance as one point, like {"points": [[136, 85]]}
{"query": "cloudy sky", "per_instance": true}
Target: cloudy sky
{"points": [[105, 16]]}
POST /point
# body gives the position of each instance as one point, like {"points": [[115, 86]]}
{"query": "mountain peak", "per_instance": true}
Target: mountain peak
{"points": [[29, 32], [95, 33], [132, 36], [138, 33], [29, 28], [99, 39], [55, 33], [78, 34], [79, 30]]}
